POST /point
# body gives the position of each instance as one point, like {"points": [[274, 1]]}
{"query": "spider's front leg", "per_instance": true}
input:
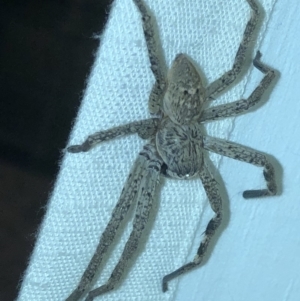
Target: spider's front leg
{"points": [[144, 128], [229, 77], [242, 105], [215, 200], [156, 63]]}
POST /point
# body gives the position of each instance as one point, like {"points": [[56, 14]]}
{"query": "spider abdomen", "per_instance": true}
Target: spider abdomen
{"points": [[180, 147]]}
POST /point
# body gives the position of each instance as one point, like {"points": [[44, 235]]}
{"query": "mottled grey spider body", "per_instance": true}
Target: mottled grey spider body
{"points": [[176, 147], [179, 138]]}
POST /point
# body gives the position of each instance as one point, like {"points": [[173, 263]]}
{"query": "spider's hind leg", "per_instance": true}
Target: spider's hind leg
{"points": [[136, 186], [214, 197], [248, 155], [147, 189]]}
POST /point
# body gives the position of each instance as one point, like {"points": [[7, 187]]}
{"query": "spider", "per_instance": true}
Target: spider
{"points": [[176, 147]]}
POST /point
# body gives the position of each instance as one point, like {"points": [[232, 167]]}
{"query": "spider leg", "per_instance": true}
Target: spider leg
{"points": [[224, 81], [211, 189], [157, 66], [144, 128], [145, 198], [129, 195], [245, 154], [242, 105]]}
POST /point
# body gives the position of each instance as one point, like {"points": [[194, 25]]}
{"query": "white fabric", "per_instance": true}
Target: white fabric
{"points": [[89, 184]]}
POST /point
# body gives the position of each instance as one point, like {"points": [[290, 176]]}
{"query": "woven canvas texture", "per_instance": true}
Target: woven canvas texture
{"points": [[89, 184]]}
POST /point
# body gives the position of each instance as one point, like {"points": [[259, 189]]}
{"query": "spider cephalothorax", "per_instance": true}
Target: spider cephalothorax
{"points": [[185, 94]]}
